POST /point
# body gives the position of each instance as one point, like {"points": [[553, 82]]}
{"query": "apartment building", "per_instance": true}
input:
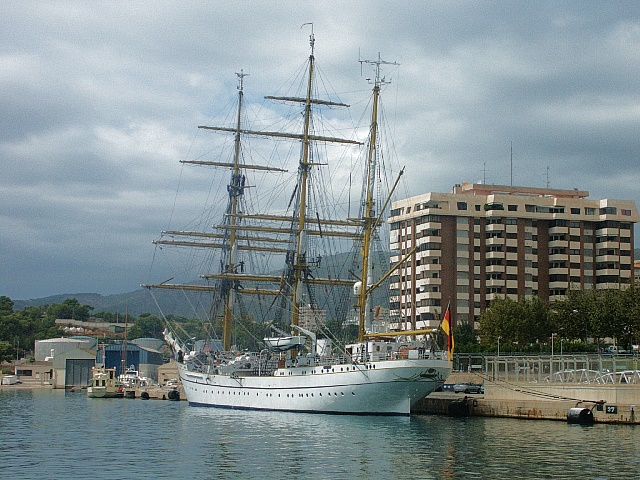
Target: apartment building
{"points": [[480, 242]]}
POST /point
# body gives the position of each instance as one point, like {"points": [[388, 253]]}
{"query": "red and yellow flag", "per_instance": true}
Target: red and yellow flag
{"points": [[446, 328]]}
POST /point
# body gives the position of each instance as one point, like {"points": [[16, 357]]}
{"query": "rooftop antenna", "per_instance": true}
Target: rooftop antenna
{"points": [[547, 176], [511, 156]]}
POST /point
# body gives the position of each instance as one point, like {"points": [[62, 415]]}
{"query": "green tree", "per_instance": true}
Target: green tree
{"points": [[524, 322], [70, 309], [147, 325], [6, 306], [7, 352], [464, 337]]}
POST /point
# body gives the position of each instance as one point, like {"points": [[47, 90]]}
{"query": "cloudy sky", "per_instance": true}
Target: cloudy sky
{"points": [[100, 102]]}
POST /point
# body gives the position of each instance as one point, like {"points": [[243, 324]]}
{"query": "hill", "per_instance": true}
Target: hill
{"points": [[141, 301], [178, 303]]}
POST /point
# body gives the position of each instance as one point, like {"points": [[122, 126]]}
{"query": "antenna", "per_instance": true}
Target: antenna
{"points": [[241, 76], [511, 156], [377, 81], [547, 176], [312, 39]]}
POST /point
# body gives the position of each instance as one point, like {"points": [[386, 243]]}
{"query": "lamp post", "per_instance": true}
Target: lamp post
{"points": [[499, 345], [552, 336]]}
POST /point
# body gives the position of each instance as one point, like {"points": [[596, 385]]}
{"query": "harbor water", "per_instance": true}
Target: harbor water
{"points": [[50, 434]]}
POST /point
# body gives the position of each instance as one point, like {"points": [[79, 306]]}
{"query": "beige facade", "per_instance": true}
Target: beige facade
{"points": [[311, 317], [480, 242]]}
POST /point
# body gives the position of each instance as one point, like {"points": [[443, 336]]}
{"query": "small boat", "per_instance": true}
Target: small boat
{"points": [[283, 344], [131, 378], [104, 384]]}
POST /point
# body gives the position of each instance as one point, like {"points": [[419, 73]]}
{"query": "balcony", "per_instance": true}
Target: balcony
{"points": [[429, 267], [559, 243], [607, 258], [495, 227], [607, 231], [494, 268], [615, 272], [558, 230], [494, 241], [607, 244]]}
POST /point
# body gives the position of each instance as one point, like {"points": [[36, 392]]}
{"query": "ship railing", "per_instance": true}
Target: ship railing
{"points": [[414, 354]]}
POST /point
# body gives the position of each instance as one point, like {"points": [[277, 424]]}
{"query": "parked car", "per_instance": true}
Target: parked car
{"points": [[614, 350], [467, 387]]}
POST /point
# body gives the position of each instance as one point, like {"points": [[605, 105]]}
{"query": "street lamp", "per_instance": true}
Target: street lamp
{"points": [[499, 345], [552, 335]]}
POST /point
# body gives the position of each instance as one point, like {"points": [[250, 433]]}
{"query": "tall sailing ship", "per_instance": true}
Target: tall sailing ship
{"points": [[300, 369]]}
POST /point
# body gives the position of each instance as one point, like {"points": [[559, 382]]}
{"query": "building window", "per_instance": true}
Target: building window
{"points": [[512, 208], [575, 211], [625, 212], [608, 211], [477, 208], [462, 205], [589, 211], [493, 206]]}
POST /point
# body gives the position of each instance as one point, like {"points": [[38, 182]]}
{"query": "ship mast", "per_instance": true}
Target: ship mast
{"points": [[225, 289], [235, 228], [236, 189], [369, 217], [297, 263], [303, 169]]}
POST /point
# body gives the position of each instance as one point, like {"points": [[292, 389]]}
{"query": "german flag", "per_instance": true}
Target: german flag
{"points": [[446, 328]]}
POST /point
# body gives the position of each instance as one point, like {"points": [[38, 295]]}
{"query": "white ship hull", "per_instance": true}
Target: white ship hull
{"points": [[388, 387]]}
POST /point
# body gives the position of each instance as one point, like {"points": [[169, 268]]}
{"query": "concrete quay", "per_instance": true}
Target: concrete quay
{"points": [[156, 393], [609, 403]]}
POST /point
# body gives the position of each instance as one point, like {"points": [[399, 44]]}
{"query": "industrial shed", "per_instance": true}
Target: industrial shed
{"points": [[143, 359], [72, 360]]}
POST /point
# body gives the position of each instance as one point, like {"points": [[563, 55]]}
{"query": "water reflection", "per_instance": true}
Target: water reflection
{"points": [[56, 435]]}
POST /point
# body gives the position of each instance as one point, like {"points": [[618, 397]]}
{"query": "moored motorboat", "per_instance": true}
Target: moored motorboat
{"points": [[104, 384]]}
